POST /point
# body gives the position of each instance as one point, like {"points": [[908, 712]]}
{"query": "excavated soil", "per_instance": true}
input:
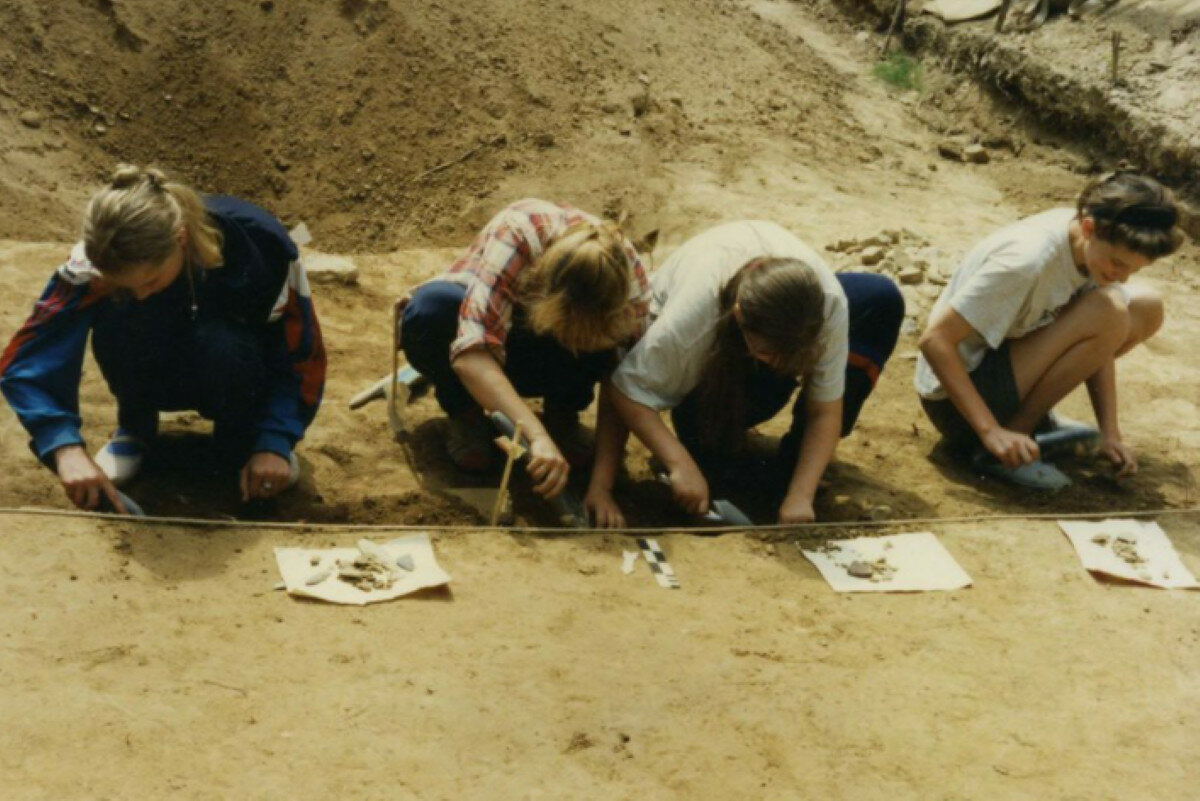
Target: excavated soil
{"points": [[394, 130]]}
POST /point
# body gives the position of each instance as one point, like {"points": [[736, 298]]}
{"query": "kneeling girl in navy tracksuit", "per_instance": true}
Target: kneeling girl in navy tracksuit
{"points": [[742, 315], [192, 303]]}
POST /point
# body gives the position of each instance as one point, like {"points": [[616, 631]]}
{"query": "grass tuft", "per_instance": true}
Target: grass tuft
{"points": [[900, 71]]}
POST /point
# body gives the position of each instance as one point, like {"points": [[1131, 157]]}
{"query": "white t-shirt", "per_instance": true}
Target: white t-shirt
{"points": [[1014, 282], [666, 363]]}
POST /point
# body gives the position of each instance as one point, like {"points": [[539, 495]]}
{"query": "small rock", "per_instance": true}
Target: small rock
{"points": [[643, 79], [880, 512], [610, 107], [950, 149], [976, 154], [100, 128], [872, 255], [544, 139], [405, 562], [862, 36], [911, 275], [324, 268], [31, 119], [861, 569]]}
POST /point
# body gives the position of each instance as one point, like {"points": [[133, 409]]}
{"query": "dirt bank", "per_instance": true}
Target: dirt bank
{"points": [[1061, 74]]}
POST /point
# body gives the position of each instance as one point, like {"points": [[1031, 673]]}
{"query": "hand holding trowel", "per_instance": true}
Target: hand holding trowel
{"points": [[567, 506], [720, 511]]}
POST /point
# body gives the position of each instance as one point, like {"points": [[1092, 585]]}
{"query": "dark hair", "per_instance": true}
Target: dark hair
{"points": [[1133, 211], [780, 300]]}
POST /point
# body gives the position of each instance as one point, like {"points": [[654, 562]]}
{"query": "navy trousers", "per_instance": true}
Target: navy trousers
{"points": [[155, 357], [537, 365], [876, 310]]}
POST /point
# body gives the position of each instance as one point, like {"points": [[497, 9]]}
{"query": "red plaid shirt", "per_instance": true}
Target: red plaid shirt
{"points": [[513, 240]]}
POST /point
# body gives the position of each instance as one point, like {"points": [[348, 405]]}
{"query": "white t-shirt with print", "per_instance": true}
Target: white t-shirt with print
{"points": [[1014, 282], [666, 363]]}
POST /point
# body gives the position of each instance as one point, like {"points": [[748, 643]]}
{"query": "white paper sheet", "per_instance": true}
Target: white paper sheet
{"points": [[296, 568], [1131, 550], [911, 563]]}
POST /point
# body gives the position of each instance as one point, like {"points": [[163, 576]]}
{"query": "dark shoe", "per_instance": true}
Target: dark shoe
{"points": [[469, 442]]}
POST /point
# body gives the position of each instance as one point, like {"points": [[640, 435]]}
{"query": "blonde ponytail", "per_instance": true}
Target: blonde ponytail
{"points": [[136, 220], [578, 289]]}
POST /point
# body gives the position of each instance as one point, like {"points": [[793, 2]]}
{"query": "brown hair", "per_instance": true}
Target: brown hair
{"points": [[578, 290], [1133, 211], [780, 300], [137, 218]]}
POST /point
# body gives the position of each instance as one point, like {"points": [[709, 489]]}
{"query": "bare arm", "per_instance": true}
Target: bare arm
{"points": [[687, 482], [611, 436], [939, 344], [821, 431], [1102, 391], [483, 377]]}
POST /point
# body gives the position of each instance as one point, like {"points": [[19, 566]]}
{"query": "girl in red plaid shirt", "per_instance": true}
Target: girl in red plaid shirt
{"points": [[536, 307]]}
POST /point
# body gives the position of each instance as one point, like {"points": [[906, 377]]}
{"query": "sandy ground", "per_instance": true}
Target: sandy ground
{"points": [[167, 667], [157, 663]]}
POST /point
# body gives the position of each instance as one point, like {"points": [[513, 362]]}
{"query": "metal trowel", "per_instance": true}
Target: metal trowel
{"points": [[720, 511], [131, 507]]}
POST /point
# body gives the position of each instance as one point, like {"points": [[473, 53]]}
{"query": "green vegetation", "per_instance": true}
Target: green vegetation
{"points": [[899, 70]]}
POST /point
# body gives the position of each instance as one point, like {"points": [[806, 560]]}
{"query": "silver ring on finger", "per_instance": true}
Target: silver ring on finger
{"points": [[266, 485]]}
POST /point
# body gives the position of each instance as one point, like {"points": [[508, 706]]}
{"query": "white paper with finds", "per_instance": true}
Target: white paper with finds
{"points": [[1131, 550], [897, 563], [297, 569]]}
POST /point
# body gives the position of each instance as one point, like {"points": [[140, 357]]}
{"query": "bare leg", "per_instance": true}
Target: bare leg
{"points": [[1096, 328]]}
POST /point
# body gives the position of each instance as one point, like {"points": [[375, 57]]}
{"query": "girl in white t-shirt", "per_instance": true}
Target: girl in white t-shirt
{"points": [[741, 316], [1035, 310]]}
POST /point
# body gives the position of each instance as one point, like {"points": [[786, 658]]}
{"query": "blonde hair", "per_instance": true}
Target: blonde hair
{"points": [[136, 220], [578, 290]]}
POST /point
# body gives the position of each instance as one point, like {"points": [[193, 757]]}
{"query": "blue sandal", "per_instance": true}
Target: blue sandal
{"points": [[1037, 475]]}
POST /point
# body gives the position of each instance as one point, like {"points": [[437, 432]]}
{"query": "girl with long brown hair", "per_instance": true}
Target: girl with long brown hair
{"points": [[743, 315]]}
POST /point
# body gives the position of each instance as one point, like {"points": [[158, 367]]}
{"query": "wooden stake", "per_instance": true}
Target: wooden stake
{"points": [[1003, 15], [514, 451], [896, 17], [1116, 56], [394, 420]]}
